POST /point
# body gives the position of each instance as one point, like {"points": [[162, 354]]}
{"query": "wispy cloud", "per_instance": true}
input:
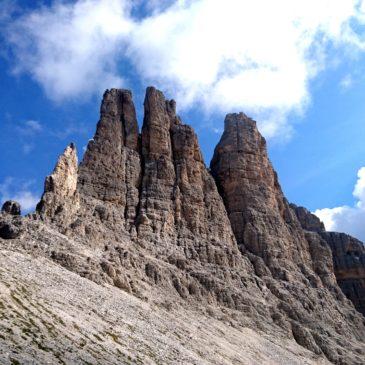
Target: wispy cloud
{"points": [[258, 56], [70, 130], [346, 82], [29, 127], [345, 218], [27, 148], [20, 191], [28, 131]]}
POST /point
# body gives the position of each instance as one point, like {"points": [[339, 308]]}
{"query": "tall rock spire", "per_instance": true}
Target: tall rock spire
{"points": [[110, 170], [260, 216], [156, 205], [153, 213], [60, 199], [178, 195]]}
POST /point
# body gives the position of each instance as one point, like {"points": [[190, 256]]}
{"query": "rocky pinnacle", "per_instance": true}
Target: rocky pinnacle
{"points": [[146, 215]]}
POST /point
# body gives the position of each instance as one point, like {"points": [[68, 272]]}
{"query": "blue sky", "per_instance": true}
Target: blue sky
{"points": [[302, 81]]}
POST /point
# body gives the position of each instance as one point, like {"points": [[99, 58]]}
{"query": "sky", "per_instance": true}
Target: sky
{"points": [[295, 66]]}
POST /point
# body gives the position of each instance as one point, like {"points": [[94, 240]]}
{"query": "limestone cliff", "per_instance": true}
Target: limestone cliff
{"points": [[142, 213], [348, 255], [60, 200]]}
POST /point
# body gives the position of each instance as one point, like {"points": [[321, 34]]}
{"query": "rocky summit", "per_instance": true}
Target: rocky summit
{"points": [[140, 254]]}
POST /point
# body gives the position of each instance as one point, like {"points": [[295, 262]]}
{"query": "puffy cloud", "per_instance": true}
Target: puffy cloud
{"points": [[258, 56], [234, 55], [70, 48], [348, 219], [12, 189]]}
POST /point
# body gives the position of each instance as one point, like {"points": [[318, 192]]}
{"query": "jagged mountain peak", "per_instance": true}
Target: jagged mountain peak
{"points": [[142, 213]]}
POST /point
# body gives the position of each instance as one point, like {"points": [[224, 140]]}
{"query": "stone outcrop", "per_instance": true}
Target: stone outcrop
{"points": [[11, 207], [143, 213], [348, 254], [110, 169], [10, 220], [11, 226], [349, 265], [308, 221], [261, 218], [60, 200], [269, 233]]}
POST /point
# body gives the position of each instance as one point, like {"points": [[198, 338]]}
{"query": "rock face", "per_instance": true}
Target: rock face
{"points": [[10, 220], [178, 195], [261, 218], [60, 199], [11, 207], [308, 221], [10, 226], [269, 233], [349, 265], [348, 255], [110, 169], [143, 213]]}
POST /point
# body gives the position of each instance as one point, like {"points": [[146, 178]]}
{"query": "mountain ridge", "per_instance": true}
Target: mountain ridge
{"points": [[142, 213]]}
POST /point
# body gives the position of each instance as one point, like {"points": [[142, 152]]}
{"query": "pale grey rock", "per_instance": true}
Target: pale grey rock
{"points": [[150, 221], [60, 200]]}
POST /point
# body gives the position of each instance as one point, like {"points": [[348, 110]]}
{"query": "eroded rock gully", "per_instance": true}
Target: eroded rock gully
{"points": [[143, 213]]}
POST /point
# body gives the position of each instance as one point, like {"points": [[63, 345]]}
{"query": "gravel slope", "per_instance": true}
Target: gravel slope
{"points": [[49, 315]]}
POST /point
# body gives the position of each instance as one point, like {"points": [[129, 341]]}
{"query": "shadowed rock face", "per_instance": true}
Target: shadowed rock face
{"points": [[349, 265], [144, 214], [11, 207], [308, 221], [348, 255]]}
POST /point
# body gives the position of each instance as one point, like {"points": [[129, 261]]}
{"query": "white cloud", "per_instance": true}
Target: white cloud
{"points": [[229, 55], [256, 56], [13, 189], [70, 48], [346, 82], [29, 127], [27, 131], [348, 219], [34, 125]]}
